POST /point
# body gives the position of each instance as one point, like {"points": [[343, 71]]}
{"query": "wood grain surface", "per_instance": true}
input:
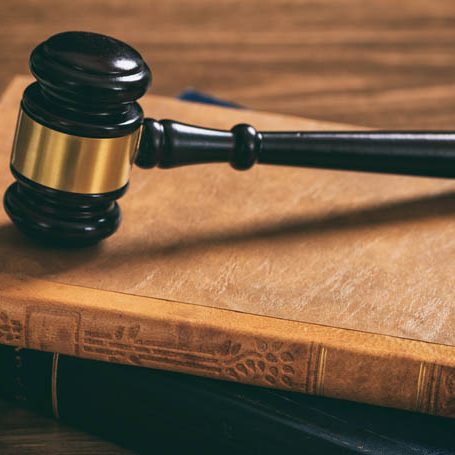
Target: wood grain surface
{"points": [[24, 432], [376, 63]]}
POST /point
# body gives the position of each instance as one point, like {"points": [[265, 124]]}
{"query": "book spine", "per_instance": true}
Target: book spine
{"points": [[223, 344], [148, 410]]}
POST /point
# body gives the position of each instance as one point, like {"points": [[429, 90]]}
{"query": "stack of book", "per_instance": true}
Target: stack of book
{"points": [[303, 282]]}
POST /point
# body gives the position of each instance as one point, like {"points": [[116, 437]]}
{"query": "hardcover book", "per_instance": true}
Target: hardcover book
{"points": [[322, 282]]}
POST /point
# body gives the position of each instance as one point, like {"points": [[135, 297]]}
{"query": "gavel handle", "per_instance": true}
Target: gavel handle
{"points": [[168, 144]]}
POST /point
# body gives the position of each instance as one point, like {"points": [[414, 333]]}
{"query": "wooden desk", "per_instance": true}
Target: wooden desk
{"points": [[373, 63]]}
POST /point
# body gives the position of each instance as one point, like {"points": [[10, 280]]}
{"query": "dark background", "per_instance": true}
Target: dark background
{"points": [[381, 63]]}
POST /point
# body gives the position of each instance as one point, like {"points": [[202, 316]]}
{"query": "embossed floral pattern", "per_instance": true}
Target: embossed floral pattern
{"points": [[269, 361]]}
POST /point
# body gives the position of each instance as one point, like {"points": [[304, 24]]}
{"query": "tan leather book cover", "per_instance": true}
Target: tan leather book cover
{"points": [[325, 282]]}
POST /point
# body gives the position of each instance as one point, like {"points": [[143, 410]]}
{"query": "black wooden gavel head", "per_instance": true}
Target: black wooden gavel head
{"points": [[77, 134]]}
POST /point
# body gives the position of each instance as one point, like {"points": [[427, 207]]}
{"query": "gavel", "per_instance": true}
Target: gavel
{"points": [[80, 129]]}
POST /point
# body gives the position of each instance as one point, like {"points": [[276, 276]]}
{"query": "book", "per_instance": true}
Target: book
{"points": [[172, 412], [322, 282], [148, 410]]}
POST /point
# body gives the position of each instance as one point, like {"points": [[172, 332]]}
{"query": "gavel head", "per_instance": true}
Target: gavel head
{"points": [[77, 134]]}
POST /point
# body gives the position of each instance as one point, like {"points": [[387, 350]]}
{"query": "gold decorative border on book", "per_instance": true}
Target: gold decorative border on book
{"points": [[420, 385], [54, 385], [428, 391], [321, 371]]}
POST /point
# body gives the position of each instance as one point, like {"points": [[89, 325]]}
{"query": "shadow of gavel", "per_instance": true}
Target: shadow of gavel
{"points": [[80, 129]]}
